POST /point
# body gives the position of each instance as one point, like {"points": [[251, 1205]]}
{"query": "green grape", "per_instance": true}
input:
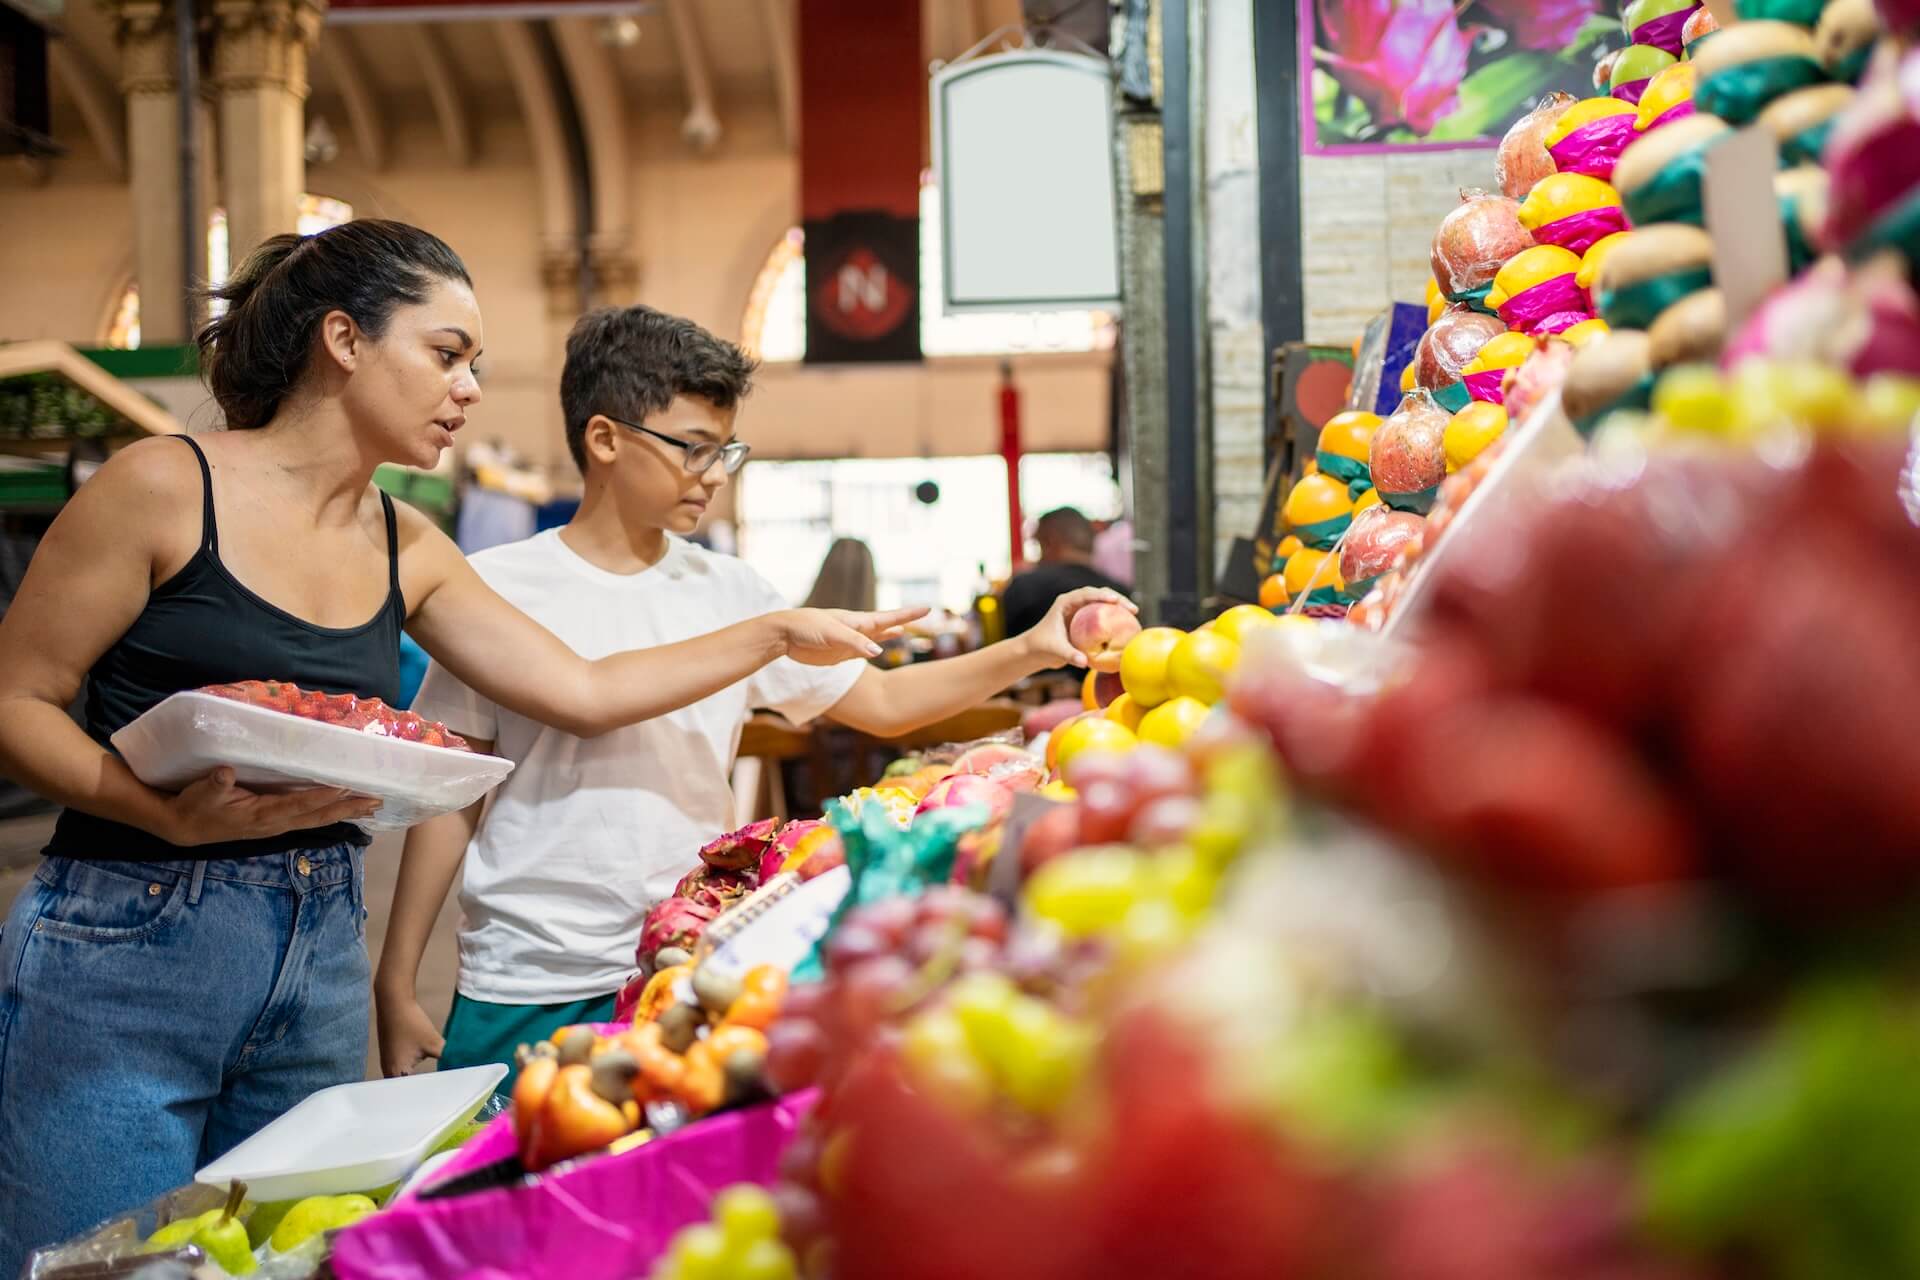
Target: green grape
{"points": [[982, 1004], [1694, 398], [1760, 395], [1088, 892], [700, 1253], [1890, 403], [1819, 395], [1151, 931], [941, 1058], [1045, 1057], [746, 1213], [764, 1260], [1187, 881]]}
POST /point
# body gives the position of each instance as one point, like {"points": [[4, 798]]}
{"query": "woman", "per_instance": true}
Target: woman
{"points": [[846, 578], [186, 967]]}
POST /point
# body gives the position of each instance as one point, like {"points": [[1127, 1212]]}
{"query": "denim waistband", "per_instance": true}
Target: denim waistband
{"points": [[297, 870]]}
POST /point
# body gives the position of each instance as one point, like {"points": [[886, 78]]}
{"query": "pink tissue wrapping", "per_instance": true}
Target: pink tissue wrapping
{"points": [[608, 1218], [1486, 385], [1535, 310], [1631, 91], [1678, 111], [1581, 231], [1594, 148], [1899, 15], [1663, 32]]}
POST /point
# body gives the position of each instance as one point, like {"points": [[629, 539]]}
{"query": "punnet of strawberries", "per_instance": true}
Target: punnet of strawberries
{"points": [[365, 715]]}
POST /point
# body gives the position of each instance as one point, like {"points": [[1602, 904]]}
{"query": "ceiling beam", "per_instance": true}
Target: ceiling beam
{"points": [[539, 97], [350, 76], [786, 66], [456, 131], [99, 104], [603, 116], [701, 128]]}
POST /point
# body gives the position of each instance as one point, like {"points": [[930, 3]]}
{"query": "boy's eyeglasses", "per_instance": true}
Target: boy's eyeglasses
{"points": [[697, 456]]}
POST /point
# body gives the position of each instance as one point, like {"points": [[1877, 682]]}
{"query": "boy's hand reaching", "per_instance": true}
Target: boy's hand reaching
{"points": [[825, 637], [1051, 640], [407, 1035]]}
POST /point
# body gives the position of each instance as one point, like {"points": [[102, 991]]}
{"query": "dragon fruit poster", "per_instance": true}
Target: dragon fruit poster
{"points": [[1390, 75]]}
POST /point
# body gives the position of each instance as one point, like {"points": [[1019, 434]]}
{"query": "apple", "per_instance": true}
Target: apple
{"points": [[1101, 631], [1052, 834]]}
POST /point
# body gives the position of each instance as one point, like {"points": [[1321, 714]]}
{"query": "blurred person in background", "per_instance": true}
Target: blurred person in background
{"points": [[847, 574], [1066, 564]]}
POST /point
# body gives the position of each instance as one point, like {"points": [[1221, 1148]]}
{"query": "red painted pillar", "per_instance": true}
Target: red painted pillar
{"points": [[1010, 452]]}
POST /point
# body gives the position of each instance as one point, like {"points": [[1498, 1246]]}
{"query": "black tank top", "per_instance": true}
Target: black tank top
{"points": [[202, 627]]}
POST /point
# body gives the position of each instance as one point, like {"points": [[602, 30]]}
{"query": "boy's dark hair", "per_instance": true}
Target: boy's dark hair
{"points": [[255, 353], [630, 362]]}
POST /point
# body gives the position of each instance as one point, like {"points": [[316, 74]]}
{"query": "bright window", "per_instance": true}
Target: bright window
{"points": [[790, 512], [317, 213], [775, 324]]}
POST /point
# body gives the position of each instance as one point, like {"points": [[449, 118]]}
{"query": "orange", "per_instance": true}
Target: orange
{"points": [[1199, 666], [1241, 621], [1124, 710], [1273, 591], [1091, 733]]}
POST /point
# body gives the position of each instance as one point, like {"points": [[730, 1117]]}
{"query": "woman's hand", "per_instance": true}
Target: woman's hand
{"points": [[1048, 640], [214, 810], [826, 637]]}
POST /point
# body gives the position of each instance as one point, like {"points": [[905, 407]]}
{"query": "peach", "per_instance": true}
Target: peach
{"points": [[1009, 766], [1101, 631], [967, 789]]}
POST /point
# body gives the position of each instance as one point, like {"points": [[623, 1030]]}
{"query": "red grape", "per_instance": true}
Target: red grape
{"points": [[800, 1162], [943, 902], [931, 939], [805, 999], [1154, 771], [802, 1218], [978, 955], [796, 1051], [855, 943], [986, 918], [872, 992], [889, 917]]}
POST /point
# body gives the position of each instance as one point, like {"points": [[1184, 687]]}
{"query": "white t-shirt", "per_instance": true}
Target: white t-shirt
{"points": [[586, 834]]}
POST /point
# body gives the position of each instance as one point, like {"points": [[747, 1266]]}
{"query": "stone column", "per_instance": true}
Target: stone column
{"points": [[260, 52], [144, 31]]}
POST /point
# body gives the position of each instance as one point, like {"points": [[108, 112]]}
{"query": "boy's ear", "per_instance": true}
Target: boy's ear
{"points": [[600, 439]]}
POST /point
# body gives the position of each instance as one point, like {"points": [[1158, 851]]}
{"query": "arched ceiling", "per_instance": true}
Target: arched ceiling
{"points": [[391, 67]]}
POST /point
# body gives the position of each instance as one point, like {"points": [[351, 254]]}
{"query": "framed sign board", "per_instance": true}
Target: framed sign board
{"points": [[1023, 154]]}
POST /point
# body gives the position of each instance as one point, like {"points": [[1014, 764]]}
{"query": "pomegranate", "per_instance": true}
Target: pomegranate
{"points": [[1452, 340], [1522, 159], [1475, 241], [1408, 459]]}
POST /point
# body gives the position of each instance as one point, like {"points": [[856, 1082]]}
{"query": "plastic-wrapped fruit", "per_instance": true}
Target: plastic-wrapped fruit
{"points": [[1701, 25], [1803, 195], [1538, 292], [1374, 544], [1522, 159], [1316, 575], [1470, 431], [1474, 241], [1573, 211], [1408, 458], [1669, 97], [1541, 375], [1589, 137], [1342, 451], [1844, 39], [1455, 338], [1613, 372], [1657, 22], [1651, 270], [1584, 332], [1636, 65], [1371, 498], [1873, 155], [1486, 372], [1750, 64], [1801, 121], [1691, 331], [1800, 13], [1318, 510], [1659, 177], [1865, 321]]}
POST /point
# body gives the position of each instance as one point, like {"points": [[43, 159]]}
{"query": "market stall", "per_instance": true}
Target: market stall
{"points": [[1520, 889]]}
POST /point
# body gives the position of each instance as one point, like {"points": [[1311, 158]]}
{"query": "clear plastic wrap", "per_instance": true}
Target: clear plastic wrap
{"points": [[191, 734], [1475, 241], [1454, 339], [1408, 458], [1522, 159]]}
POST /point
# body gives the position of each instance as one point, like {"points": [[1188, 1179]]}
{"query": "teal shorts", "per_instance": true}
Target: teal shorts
{"points": [[479, 1032]]}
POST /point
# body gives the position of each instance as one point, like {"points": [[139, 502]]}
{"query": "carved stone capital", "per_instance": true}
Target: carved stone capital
{"points": [[616, 275], [144, 31], [264, 43]]}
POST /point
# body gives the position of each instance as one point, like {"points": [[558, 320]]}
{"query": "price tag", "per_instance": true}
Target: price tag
{"points": [[1003, 877], [777, 925], [1749, 242]]}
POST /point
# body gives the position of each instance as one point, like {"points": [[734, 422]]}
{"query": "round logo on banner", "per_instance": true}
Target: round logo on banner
{"points": [[860, 299]]}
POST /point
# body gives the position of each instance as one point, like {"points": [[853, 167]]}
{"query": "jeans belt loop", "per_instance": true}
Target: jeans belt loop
{"points": [[198, 879]]}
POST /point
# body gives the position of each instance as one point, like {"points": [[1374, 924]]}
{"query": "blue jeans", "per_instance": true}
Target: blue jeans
{"points": [[155, 1014]]}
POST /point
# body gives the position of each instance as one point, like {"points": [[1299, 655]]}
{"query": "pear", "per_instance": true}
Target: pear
{"points": [[179, 1231], [316, 1214], [224, 1238]]}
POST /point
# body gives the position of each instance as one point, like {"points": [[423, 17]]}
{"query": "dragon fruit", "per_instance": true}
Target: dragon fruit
{"points": [[739, 850], [784, 844], [673, 922], [716, 889]]}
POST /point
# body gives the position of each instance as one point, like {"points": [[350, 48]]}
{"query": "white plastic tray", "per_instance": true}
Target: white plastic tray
{"points": [[355, 1137], [189, 735]]}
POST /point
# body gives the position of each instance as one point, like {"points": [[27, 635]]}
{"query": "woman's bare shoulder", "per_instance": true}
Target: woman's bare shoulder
{"points": [[151, 480]]}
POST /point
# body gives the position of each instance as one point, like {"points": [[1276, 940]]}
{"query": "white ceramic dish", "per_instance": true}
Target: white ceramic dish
{"points": [[191, 734], [355, 1137]]}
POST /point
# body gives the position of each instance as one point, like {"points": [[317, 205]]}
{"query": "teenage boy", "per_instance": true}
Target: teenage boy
{"points": [[586, 834]]}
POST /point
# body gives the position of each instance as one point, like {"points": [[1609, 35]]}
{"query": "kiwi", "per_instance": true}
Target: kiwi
{"points": [[1691, 331], [1847, 28], [1661, 249], [1745, 42], [1658, 148], [1793, 114], [1604, 370]]}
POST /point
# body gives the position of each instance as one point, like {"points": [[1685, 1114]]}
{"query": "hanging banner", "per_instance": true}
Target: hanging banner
{"points": [[1400, 75], [863, 87]]}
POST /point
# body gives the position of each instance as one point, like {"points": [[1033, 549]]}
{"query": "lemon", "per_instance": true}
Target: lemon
{"points": [[1173, 722], [1470, 431], [1199, 666], [1143, 665]]}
